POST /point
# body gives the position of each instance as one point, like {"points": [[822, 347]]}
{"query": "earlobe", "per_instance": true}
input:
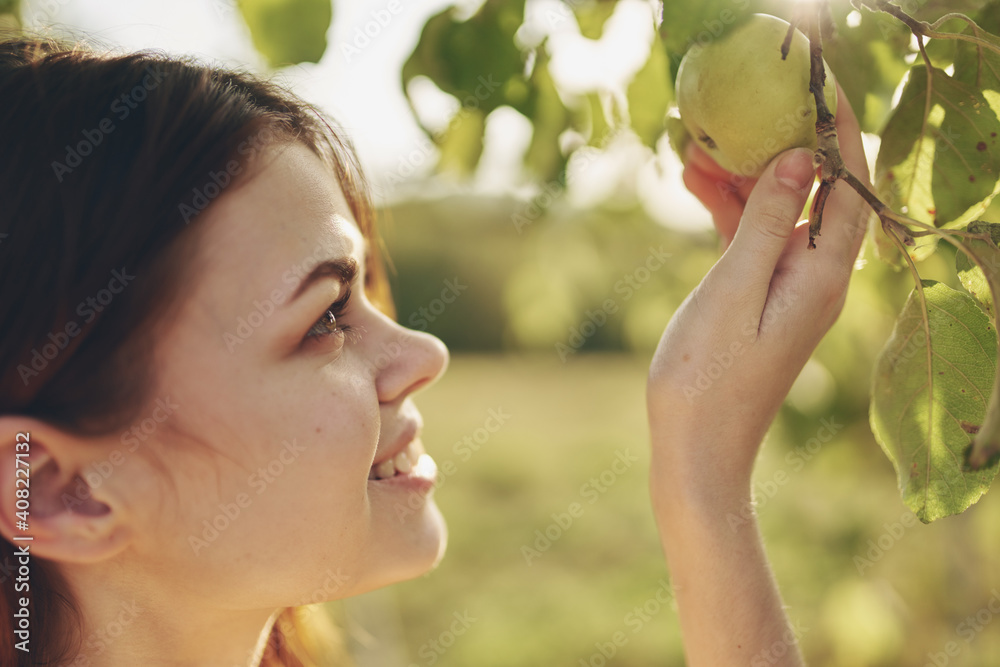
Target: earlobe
{"points": [[45, 500]]}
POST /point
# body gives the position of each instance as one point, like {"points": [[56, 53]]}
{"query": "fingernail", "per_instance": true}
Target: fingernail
{"points": [[795, 169]]}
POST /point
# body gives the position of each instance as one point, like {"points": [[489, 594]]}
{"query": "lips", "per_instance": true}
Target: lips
{"points": [[406, 458]]}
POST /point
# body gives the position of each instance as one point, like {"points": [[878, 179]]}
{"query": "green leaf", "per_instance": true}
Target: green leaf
{"points": [[544, 156], [868, 63], [941, 51], [972, 277], [288, 32], [678, 134], [929, 392], [977, 66], [475, 60], [937, 163], [592, 16], [981, 276], [600, 127], [888, 252], [461, 145], [688, 23], [931, 10], [649, 96]]}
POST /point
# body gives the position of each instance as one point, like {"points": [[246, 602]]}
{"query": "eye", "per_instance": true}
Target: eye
{"points": [[328, 325]]}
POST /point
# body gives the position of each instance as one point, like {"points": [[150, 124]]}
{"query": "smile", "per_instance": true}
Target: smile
{"points": [[411, 462]]}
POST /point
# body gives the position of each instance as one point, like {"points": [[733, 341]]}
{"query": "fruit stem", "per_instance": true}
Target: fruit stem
{"points": [[787, 43]]}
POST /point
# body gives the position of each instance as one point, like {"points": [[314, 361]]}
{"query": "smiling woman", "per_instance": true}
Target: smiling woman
{"points": [[223, 438], [226, 433]]}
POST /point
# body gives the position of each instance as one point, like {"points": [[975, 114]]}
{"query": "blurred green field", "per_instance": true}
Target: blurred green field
{"points": [[566, 424], [866, 585]]}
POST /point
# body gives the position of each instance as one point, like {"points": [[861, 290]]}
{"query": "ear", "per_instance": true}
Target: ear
{"points": [[52, 495]]}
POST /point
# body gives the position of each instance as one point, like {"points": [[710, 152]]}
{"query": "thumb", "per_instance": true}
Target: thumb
{"points": [[770, 215]]}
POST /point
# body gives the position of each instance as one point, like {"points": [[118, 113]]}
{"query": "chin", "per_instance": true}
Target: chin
{"points": [[426, 541], [406, 549]]}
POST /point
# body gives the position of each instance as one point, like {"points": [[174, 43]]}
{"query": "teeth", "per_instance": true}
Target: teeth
{"points": [[410, 461], [426, 467], [385, 470], [402, 462]]}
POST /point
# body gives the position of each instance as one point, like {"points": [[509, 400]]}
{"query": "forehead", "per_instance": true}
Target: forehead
{"points": [[288, 216]]}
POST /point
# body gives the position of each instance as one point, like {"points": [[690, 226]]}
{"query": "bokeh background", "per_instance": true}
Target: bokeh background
{"points": [[532, 207]]}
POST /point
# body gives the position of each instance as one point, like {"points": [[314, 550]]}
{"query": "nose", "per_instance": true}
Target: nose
{"points": [[405, 361]]}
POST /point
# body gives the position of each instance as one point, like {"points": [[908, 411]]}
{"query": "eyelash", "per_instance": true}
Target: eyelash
{"points": [[323, 327]]}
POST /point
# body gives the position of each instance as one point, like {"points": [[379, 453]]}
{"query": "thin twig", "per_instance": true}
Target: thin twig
{"points": [[827, 155]]}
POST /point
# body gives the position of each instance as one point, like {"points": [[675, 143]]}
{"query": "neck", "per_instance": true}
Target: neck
{"points": [[125, 624]]}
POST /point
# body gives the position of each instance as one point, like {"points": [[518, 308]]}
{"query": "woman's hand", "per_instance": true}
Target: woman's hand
{"points": [[722, 369], [737, 343]]}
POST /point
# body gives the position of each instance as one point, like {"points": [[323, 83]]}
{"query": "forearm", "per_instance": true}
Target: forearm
{"points": [[729, 605]]}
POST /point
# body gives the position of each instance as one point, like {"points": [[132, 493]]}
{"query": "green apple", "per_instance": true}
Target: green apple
{"points": [[742, 103]]}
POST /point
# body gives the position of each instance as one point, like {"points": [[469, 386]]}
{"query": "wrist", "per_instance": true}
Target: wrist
{"points": [[703, 491]]}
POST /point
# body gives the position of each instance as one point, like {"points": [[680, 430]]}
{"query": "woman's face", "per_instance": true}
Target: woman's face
{"points": [[277, 408]]}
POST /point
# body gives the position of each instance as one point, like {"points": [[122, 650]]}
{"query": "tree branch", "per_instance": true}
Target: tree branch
{"points": [[924, 29], [827, 156]]}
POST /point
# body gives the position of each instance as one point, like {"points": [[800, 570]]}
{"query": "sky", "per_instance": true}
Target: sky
{"points": [[361, 87]]}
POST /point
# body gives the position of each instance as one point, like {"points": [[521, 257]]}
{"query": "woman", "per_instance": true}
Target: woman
{"points": [[200, 363]]}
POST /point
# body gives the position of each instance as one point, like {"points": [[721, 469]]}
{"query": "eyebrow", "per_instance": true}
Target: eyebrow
{"points": [[345, 270]]}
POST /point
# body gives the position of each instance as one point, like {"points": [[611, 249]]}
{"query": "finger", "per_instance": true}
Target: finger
{"points": [[769, 219], [696, 156], [725, 206], [845, 216]]}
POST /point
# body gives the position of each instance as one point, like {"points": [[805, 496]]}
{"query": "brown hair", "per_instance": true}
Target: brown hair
{"points": [[107, 162]]}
